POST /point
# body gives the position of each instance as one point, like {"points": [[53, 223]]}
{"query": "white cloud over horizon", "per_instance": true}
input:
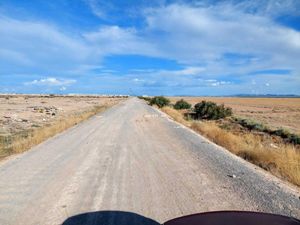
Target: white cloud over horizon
{"points": [[212, 43], [195, 35], [52, 81], [190, 35], [29, 45], [203, 36]]}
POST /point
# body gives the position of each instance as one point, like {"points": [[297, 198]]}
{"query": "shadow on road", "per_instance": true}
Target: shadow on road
{"points": [[109, 218], [206, 218]]}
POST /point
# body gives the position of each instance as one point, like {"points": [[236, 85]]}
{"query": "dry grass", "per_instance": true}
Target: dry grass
{"points": [[273, 112], [176, 115], [283, 161], [23, 141]]}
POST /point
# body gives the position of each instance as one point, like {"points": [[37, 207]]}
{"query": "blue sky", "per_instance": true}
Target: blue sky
{"points": [[157, 47]]}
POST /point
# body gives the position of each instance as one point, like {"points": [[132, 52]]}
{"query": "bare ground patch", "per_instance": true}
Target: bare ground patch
{"points": [[29, 120]]}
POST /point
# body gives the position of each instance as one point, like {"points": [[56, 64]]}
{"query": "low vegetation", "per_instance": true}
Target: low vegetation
{"points": [[250, 124], [283, 133], [275, 113], [147, 99], [211, 111], [254, 142], [159, 101], [22, 141], [282, 160], [182, 104]]}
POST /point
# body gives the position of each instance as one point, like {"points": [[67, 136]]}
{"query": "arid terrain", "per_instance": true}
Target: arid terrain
{"points": [[133, 158], [263, 131], [273, 112], [22, 114], [18, 112]]}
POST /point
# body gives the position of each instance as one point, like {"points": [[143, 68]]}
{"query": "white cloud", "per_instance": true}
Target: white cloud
{"points": [[191, 35], [197, 36], [213, 42], [116, 40], [190, 71], [137, 80], [211, 80], [203, 36], [273, 8], [114, 10], [187, 71], [104, 9], [173, 79], [32, 46], [51, 81], [99, 9], [215, 83]]}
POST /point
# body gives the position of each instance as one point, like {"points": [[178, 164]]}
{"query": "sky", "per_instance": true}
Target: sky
{"points": [[143, 47]]}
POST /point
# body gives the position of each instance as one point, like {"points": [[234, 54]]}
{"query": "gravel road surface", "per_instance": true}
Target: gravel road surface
{"points": [[132, 163]]}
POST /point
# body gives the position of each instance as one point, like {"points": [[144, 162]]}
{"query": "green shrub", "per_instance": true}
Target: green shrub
{"points": [[294, 139], [160, 101], [282, 133], [289, 137], [212, 111], [148, 99], [182, 104], [251, 125]]}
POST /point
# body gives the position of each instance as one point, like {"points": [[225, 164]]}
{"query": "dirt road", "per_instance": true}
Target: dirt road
{"points": [[132, 158]]}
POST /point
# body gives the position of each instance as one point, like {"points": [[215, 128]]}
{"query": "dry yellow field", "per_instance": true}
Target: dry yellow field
{"points": [[27, 120], [273, 112], [21, 112], [280, 158]]}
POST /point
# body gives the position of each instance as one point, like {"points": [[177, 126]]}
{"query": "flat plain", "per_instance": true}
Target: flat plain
{"points": [[273, 112], [27, 120], [21, 112]]}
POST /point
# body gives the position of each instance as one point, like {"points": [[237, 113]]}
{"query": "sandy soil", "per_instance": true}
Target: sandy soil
{"points": [[128, 164], [274, 112], [22, 112]]}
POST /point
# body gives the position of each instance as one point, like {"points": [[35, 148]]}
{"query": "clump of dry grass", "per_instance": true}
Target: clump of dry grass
{"points": [[283, 161], [176, 115], [25, 140]]}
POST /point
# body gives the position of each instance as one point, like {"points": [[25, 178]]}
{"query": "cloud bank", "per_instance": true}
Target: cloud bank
{"points": [[227, 44]]}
